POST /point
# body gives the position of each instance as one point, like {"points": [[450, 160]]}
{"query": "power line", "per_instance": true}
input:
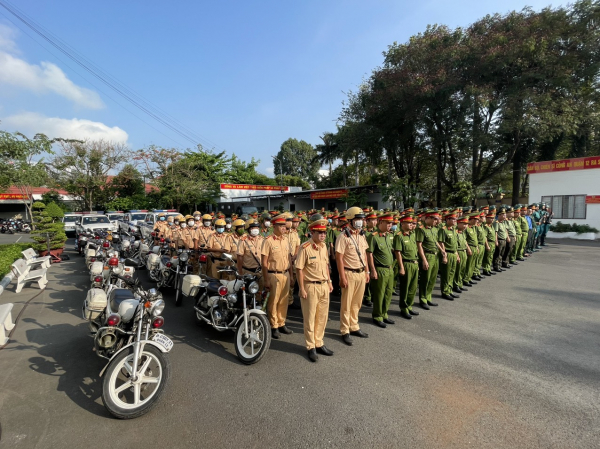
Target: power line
{"points": [[136, 100]]}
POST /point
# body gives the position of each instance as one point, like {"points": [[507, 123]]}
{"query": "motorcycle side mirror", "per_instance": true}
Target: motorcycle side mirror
{"points": [[227, 256]]}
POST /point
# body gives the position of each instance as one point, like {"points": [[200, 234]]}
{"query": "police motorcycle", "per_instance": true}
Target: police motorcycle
{"points": [[103, 274], [135, 246], [125, 324], [168, 271], [231, 305]]}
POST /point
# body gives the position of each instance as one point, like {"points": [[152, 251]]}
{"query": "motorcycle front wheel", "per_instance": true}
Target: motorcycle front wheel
{"points": [[127, 399], [250, 350]]}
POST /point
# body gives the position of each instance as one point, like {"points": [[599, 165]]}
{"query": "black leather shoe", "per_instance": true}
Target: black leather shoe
{"points": [[424, 305], [491, 273], [455, 295], [506, 266], [498, 270], [521, 259], [468, 284], [456, 290], [324, 350], [472, 283], [347, 339], [515, 263], [478, 278], [388, 321], [432, 304], [360, 334], [463, 289], [368, 303], [275, 333], [448, 297], [487, 273], [413, 312], [381, 324], [312, 355], [285, 330], [406, 315]]}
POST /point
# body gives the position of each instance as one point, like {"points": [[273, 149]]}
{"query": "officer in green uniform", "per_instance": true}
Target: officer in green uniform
{"points": [[516, 222], [510, 240], [471, 238], [501, 236], [405, 248], [490, 243], [427, 243], [371, 226], [524, 233], [381, 260], [480, 247], [447, 236], [462, 248]]}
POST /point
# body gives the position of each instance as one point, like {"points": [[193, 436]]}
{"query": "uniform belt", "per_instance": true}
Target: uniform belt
{"points": [[409, 261], [315, 282], [430, 252], [378, 265], [216, 258], [277, 272], [354, 270], [251, 269], [501, 239]]}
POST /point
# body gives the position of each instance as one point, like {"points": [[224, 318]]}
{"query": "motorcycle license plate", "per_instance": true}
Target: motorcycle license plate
{"points": [[164, 341]]}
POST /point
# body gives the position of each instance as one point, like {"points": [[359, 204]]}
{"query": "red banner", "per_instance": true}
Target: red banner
{"points": [[328, 194], [13, 196], [592, 199], [580, 163], [252, 187]]}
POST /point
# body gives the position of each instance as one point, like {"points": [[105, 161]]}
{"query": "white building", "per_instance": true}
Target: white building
{"points": [[570, 186]]}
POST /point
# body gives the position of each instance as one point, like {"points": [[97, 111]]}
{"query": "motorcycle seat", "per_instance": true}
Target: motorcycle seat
{"points": [[117, 296]]}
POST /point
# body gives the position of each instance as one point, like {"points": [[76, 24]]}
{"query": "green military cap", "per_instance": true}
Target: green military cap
{"points": [[466, 210], [509, 209], [493, 207], [265, 216], [502, 210], [476, 215]]}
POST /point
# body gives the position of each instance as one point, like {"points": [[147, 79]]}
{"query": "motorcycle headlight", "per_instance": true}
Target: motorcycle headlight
{"points": [[184, 257], [157, 308], [118, 269], [253, 287], [232, 298]]}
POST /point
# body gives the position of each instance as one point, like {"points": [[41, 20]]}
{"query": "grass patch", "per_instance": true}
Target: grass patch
{"points": [[10, 253]]}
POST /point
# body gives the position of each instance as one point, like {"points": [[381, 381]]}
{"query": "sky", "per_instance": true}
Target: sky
{"points": [[241, 76]]}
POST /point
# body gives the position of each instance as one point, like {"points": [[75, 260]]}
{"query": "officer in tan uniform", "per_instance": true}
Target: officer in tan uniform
{"points": [[182, 236], [249, 251], [294, 242], [312, 268], [219, 243], [203, 232], [351, 258], [237, 232], [276, 264]]}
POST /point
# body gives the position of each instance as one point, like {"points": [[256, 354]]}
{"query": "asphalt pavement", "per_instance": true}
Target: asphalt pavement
{"points": [[511, 364]]}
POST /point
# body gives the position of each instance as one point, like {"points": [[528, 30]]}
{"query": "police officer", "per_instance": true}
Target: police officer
{"points": [[473, 245], [462, 250], [405, 249], [265, 229], [501, 236], [427, 243], [218, 243], [381, 263], [491, 242], [351, 257], [249, 251], [276, 261], [312, 267], [371, 226], [447, 236]]}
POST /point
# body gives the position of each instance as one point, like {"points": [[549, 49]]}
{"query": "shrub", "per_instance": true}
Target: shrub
{"points": [[48, 226], [573, 227], [10, 253]]}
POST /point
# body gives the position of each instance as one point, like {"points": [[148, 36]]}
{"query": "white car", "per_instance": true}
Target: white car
{"points": [[92, 223], [70, 221], [115, 217]]}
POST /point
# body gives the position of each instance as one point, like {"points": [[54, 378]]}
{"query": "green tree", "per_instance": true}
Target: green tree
{"points": [[297, 158]]}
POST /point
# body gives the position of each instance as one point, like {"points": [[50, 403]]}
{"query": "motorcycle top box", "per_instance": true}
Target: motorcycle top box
{"points": [[153, 261], [94, 304], [190, 284], [96, 268]]}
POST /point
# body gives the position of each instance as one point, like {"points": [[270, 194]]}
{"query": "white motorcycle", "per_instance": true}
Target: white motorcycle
{"points": [[126, 327]]}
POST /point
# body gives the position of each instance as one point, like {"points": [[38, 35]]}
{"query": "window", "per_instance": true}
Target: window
{"points": [[292, 208], [567, 206]]}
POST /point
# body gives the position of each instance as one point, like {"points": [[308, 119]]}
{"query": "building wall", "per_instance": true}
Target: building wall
{"points": [[576, 182]]}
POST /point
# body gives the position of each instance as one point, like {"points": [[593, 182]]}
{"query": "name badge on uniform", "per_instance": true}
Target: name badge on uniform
{"points": [[276, 247], [313, 257]]}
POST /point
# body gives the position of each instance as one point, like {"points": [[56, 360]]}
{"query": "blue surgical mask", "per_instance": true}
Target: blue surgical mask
{"points": [[394, 227], [329, 220], [162, 218], [220, 230]]}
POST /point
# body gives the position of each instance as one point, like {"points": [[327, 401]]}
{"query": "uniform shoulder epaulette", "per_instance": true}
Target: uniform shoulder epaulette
{"points": [[305, 244]]}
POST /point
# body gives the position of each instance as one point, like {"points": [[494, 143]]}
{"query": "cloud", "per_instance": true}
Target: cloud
{"points": [[270, 170], [32, 123], [43, 78]]}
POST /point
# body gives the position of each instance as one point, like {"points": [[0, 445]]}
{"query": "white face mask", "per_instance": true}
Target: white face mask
{"points": [[228, 226], [207, 224], [191, 222], [254, 232], [183, 226], [197, 218], [358, 224], [267, 224]]}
